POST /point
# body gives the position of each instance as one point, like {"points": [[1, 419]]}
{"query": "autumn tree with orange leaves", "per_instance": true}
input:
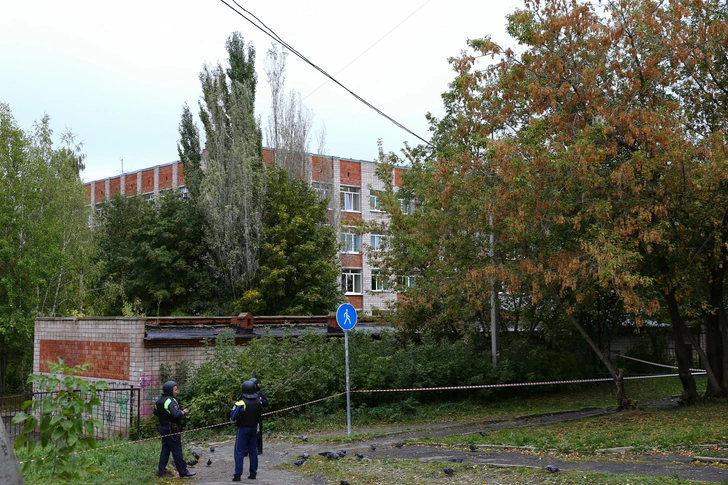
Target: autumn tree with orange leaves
{"points": [[598, 148]]}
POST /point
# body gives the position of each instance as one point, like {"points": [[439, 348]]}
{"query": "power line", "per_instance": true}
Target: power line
{"points": [[369, 48], [270, 33]]}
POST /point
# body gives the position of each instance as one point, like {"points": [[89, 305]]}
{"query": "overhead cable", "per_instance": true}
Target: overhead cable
{"points": [[270, 33]]}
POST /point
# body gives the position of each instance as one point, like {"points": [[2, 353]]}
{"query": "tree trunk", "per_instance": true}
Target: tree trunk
{"points": [[682, 333], [617, 374], [690, 393], [716, 335]]}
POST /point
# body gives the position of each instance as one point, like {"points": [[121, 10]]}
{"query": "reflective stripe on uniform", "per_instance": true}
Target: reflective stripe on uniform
{"points": [[166, 405]]}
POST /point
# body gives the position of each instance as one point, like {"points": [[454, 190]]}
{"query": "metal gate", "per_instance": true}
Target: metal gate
{"points": [[119, 411]]}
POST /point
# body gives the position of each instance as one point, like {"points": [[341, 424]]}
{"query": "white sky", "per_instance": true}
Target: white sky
{"points": [[118, 73]]}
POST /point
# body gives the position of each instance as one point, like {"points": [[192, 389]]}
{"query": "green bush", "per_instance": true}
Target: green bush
{"points": [[297, 369]]}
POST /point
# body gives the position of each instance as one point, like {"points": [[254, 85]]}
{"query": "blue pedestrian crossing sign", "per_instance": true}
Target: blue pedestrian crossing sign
{"points": [[346, 316]]}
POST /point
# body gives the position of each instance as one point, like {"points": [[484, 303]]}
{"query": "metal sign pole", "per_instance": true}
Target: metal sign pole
{"points": [[346, 318], [348, 397]]}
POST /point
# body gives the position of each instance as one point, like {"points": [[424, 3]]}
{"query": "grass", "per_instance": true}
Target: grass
{"points": [[130, 463], [473, 409], [643, 429], [400, 472]]}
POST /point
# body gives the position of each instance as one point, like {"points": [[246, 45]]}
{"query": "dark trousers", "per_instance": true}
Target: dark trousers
{"points": [[171, 444], [245, 442]]}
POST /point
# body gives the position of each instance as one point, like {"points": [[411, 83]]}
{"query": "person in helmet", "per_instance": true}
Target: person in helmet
{"points": [[170, 417], [247, 423], [264, 403]]}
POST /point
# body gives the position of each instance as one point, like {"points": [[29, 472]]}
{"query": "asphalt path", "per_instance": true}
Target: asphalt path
{"points": [[287, 449]]}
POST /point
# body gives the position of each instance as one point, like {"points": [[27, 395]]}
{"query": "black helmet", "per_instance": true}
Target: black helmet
{"points": [[248, 389], [255, 382], [168, 387]]}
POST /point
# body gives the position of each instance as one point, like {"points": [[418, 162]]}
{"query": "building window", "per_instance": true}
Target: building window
{"points": [[407, 281], [351, 242], [377, 241], [375, 200], [379, 281], [407, 206], [350, 198], [325, 190], [351, 280]]}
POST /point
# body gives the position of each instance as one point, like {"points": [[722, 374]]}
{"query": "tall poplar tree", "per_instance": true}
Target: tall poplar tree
{"points": [[227, 181]]}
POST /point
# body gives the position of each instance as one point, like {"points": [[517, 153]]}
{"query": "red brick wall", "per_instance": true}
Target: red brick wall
{"points": [[268, 157], [114, 186], [180, 174], [357, 301], [165, 177], [351, 218], [322, 168], [88, 193], [351, 261], [147, 181], [100, 191], [350, 173], [109, 360], [131, 184], [398, 176]]}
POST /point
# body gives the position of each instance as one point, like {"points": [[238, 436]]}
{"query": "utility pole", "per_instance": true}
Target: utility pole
{"points": [[494, 337]]}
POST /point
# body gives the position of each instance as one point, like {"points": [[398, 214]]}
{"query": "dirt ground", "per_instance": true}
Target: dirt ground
{"points": [[286, 449]]}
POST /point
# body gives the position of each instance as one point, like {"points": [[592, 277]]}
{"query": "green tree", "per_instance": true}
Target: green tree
{"points": [[154, 254], [299, 270], [232, 186], [63, 420], [44, 237], [190, 152]]}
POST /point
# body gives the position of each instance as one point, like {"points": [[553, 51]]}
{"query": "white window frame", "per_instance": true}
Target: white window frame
{"points": [[324, 190], [377, 241], [351, 280], [407, 206], [350, 241], [375, 200], [379, 281], [350, 198], [407, 281]]}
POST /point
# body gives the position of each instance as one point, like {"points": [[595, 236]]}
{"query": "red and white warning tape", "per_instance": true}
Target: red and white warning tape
{"points": [[655, 363]]}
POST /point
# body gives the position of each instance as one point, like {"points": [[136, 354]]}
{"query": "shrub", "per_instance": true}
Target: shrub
{"points": [[62, 418]]}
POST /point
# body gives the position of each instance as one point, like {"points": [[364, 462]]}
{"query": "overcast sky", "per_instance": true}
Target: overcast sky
{"points": [[118, 73]]}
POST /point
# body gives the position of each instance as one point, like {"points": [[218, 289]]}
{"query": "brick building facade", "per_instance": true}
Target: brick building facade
{"points": [[355, 183]]}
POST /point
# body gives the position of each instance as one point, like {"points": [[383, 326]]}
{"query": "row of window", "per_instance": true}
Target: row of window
{"points": [[350, 198], [351, 242], [351, 281]]}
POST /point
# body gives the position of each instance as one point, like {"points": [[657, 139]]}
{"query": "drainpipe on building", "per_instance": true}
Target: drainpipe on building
{"points": [[9, 471]]}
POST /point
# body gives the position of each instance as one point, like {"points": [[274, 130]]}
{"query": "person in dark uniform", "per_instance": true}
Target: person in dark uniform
{"points": [[246, 414], [170, 417], [264, 403]]}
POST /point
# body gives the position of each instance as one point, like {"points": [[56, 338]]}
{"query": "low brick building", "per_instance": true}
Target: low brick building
{"points": [[127, 353]]}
